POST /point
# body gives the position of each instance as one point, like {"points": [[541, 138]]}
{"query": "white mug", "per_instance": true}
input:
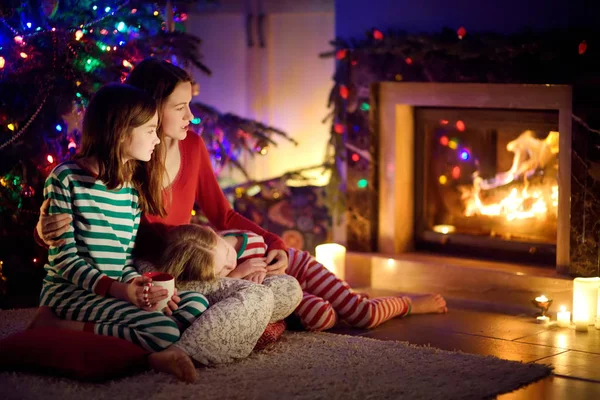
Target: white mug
{"points": [[163, 280]]}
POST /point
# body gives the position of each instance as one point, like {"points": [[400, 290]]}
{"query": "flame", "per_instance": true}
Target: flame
{"points": [[522, 202], [518, 204]]}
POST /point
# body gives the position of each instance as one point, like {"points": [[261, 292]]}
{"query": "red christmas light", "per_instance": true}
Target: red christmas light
{"points": [[338, 128], [408, 60], [456, 172], [443, 122], [582, 47], [355, 157], [460, 126], [444, 141], [461, 32], [344, 92], [341, 54], [377, 35]]}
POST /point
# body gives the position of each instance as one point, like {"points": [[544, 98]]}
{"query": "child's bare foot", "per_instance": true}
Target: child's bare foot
{"points": [[174, 361], [428, 304], [44, 317]]}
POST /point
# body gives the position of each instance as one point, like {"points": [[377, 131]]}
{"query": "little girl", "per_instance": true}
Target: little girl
{"points": [[326, 298], [91, 283], [196, 256]]}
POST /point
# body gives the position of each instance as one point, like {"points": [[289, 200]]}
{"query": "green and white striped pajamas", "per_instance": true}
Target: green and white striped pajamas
{"points": [[98, 251]]}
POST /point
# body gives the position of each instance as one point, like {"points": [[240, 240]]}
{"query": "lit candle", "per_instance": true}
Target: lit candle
{"points": [[333, 257], [563, 317], [541, 299], [444, 229], [585, 300]]}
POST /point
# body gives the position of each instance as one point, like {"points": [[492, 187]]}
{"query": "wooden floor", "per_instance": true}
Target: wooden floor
{"points": [[575, 356]]}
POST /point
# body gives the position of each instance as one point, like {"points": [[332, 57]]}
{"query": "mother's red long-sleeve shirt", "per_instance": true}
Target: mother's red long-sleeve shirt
{"points": [[195, 183]]}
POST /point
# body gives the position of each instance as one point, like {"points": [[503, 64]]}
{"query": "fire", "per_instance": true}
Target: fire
{"points": [[518, 204], [522, 202]]}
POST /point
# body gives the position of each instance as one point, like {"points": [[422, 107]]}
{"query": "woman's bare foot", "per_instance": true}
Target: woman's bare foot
{"points": [[174, 361], [428, 304]]}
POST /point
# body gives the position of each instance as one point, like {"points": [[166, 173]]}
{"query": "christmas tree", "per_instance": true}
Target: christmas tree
{"points": [[54, 54]]}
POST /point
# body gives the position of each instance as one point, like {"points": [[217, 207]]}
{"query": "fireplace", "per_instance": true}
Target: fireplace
{"points": [[475, 169]]}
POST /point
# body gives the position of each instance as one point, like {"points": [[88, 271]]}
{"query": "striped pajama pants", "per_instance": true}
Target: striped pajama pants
{"points": [[154, 331], [325, 298]]}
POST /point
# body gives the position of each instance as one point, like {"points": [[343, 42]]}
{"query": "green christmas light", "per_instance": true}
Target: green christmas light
{"points": [[121, 26], [196, 121], [365, 107], [362, 183]]}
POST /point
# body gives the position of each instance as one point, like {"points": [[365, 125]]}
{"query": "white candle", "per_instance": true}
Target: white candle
{"points": [[563, 317], [333, 257], [585, 300], [598, 311]]}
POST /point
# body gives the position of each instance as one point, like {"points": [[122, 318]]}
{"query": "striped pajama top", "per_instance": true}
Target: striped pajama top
{"points": [[99, 243], [252, 246]]}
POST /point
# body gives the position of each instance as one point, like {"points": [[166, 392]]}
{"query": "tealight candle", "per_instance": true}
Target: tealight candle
{"points": [[563, 317], [541, 299], [542, 319]]}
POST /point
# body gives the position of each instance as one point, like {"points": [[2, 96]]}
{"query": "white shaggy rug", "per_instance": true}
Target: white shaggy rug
{"points": [[300, 366]]}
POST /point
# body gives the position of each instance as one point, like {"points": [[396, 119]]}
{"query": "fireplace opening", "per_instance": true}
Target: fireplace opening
{"points": [[486, 182]]}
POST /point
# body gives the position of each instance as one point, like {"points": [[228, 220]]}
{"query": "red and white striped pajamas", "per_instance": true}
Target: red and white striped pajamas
{"points": [[326, 297]]}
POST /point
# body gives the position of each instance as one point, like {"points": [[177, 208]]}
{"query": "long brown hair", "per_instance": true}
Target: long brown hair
{"points": [[114, 111], [190, 253], [158, 78]]}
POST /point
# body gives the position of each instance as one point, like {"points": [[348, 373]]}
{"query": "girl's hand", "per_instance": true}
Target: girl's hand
{"points": [[256, 277], [143, 295], [281, 262], [172, 304], [248, 267], [50, 227]]}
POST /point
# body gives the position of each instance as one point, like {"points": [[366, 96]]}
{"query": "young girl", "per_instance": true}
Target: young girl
{"points": [[195, 254], [240, 254], [91, 282]]}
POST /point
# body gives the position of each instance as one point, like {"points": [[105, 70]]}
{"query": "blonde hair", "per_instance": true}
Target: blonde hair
{"points": [[190, 253]]}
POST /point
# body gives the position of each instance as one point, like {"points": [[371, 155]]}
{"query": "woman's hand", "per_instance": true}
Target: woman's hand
{"points": [[50, 227], [281, 262], [172, 305], [248, 267]]}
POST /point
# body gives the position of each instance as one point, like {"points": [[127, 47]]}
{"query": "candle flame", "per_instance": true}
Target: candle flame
{"points": [[541, 299]]}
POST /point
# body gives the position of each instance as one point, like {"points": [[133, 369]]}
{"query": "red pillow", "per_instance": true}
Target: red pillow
{"points": [[72, 354]]}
